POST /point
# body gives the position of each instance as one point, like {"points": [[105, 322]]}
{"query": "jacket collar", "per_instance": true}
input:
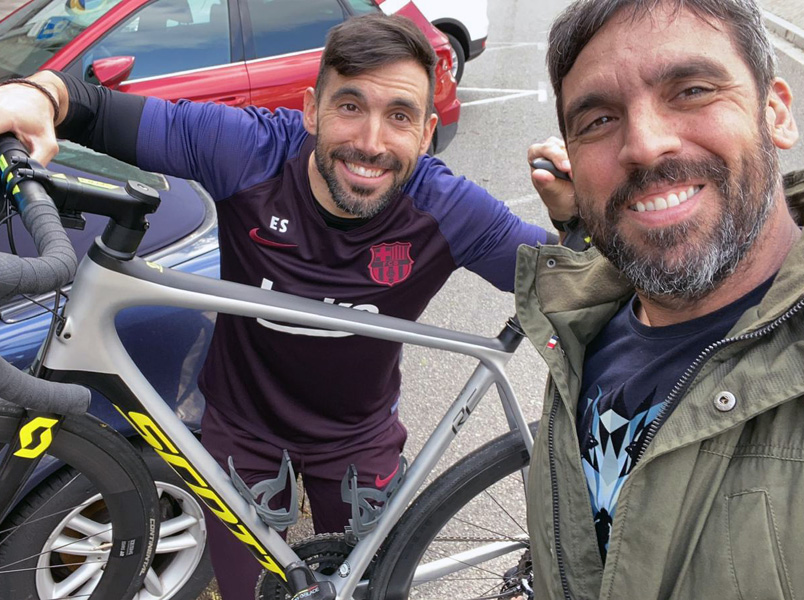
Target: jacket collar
{"points": [[572, 295]]}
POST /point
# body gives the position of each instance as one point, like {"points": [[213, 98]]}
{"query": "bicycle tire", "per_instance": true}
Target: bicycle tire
{"points": [[99, 459], [431, 522]]}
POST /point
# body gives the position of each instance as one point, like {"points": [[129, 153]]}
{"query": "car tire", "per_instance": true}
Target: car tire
{"points": [[180, 574], [458, 57]]}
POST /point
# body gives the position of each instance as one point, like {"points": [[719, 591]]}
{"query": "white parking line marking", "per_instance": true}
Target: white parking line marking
{"points": [[507, 94]]}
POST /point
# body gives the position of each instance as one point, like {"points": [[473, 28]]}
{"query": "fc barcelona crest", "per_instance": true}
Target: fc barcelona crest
{"points": [[390, 263]]}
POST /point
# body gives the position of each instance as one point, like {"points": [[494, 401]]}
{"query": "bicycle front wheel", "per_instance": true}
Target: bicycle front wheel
{"points": [[52, 548], [465, 536]]}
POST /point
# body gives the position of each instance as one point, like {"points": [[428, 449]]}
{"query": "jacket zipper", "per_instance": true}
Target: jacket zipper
{"points": [[683, 383], [669, 402], [554, 485]]}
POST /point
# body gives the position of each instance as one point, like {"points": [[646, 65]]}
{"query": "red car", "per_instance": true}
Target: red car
{"points": [[239, 52]]}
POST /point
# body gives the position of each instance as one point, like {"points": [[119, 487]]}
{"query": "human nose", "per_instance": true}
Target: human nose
{"points": [[371, 137], [649, 138]]}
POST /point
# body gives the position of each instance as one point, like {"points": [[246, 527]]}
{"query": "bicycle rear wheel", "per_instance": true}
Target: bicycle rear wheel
{"points": [[98, 550], [466, 533]]}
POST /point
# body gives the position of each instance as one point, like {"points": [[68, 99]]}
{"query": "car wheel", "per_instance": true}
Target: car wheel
{"points": [[181, 568], [458, 57]]}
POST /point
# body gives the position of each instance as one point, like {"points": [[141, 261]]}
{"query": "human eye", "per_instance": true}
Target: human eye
{"points": [[349, 107], [694, 92], [595, 125], [400, 117]]}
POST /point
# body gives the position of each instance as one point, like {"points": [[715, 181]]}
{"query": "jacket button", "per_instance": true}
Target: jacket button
{"points": [[551, 262], [725, 401]]}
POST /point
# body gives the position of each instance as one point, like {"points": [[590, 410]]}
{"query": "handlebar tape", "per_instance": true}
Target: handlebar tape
{"points": [[54, 268], [37, 394], [57, 262]]}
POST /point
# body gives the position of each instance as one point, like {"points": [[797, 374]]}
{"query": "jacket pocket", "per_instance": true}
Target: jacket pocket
{"points": [[756, 560]]}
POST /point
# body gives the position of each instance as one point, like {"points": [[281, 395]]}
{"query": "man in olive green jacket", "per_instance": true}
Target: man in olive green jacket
{"points": [[670, 457]]}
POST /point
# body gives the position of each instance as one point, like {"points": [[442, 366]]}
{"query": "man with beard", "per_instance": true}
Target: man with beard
{"points": [[676, 398], [338, 203]]}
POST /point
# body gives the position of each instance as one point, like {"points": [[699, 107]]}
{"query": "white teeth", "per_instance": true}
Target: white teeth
{"points": [[363, 171], [671, 201]]}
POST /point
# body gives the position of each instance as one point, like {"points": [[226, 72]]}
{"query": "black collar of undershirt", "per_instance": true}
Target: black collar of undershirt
{"points": [[340, 223]]}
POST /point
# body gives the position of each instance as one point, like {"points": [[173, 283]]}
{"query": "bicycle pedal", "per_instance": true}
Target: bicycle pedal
{"points": [[322, 590]]}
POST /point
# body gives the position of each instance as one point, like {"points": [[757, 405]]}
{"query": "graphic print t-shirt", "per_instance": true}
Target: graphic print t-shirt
{"points": [[629, 371]]}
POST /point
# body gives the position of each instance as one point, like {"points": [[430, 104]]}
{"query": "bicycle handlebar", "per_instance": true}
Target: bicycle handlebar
{"points": [[54, 268]]}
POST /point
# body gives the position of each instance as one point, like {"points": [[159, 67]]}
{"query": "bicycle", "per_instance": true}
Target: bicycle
{"points": [[391, 549]]}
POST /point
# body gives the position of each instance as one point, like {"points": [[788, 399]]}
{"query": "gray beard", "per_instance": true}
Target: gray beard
{"points": [[746, 205]]}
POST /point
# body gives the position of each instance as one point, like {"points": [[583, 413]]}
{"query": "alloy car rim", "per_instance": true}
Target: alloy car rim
{"points": [[74, 556], [454, 57]]}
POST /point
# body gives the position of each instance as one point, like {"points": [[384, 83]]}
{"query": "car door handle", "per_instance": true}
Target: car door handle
{"points": [[233, 100]]}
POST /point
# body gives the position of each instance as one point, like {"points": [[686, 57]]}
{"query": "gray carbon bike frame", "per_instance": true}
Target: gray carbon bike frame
{"points": [[87, 349]]}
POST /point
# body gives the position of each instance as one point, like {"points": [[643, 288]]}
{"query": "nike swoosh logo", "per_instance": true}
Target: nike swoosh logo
{"points": [[381, 483], [254, 234]]}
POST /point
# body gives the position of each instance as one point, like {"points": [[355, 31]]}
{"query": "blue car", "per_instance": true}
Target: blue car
{"points": [[168, 345]]}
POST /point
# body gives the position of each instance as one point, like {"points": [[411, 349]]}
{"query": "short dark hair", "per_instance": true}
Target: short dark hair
{"points": [[580, 22], [373, 41]]}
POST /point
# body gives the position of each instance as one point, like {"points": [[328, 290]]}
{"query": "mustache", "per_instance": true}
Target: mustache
{"points": [[669, 171], [382, 161]]}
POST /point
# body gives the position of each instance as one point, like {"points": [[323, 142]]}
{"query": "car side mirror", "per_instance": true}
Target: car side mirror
{"points": [[112, 71]]}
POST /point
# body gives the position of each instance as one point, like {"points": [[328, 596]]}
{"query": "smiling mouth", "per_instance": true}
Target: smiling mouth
{"points": [[660, 203], [363, 171]]}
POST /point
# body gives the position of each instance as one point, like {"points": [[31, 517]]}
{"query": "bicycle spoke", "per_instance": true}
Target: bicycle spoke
{"points": [[5, 568], [77, 579], [507, 513], [29, 518], [81, 546], [90, 527]]}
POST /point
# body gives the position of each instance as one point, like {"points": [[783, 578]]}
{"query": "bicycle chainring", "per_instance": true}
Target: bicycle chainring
{"points": [[323, 553]]}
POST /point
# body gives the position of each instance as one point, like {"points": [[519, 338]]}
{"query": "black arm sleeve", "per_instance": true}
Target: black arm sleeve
{"points": [[101, 119]]}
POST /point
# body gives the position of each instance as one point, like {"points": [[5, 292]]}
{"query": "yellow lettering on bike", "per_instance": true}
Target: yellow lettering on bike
{"points": [[170, 454], [214, 503], [242, 534], [27, 437], [154, 265], [152, 434]]}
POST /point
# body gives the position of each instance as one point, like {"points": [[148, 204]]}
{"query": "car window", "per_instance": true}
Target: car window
{"points": [[363, 7], [31, 36], [168, 36], [285, 26]]}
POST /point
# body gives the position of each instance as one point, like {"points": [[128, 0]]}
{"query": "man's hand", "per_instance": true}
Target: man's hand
{"points": [[27, 113], [558, 195]]}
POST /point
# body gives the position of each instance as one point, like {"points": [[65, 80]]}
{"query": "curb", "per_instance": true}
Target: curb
{"points": [[785, 30]]}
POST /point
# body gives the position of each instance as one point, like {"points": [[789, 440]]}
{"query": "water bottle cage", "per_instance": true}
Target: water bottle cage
{"points": [[368, 504], [260, 494]]}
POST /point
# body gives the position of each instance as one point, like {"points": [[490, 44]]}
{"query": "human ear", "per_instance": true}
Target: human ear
{"points": [[779, 116], [310, 111], [429, 129]]}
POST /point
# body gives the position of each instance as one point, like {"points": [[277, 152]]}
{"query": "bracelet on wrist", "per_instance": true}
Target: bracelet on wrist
{"points": [[36, 86]]}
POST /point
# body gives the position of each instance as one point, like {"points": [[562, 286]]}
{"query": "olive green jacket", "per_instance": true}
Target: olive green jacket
{"points": [[715, 506]]}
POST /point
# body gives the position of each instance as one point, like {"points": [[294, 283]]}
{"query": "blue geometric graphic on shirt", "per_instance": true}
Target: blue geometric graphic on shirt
{"points": [[608, 454]]}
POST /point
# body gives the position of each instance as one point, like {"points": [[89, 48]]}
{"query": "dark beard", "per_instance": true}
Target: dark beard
{"points": [[746, 204], [352, 201]]}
